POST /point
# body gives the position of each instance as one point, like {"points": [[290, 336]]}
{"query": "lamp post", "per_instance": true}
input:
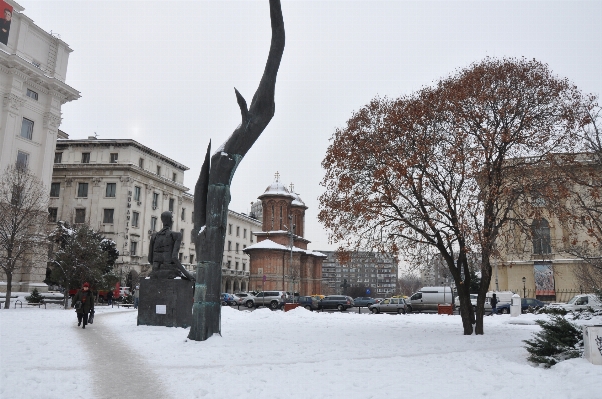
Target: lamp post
{"points": [[524, 287]]}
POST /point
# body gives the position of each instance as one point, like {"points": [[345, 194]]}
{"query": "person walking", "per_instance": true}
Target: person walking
{"points": [[83, 302], [136, 297], [494, 302], [110, 298]]}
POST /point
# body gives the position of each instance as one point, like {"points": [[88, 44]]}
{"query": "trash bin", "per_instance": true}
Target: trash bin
{"points": [[515, 306], [445, 309], [290, 306], [592, 340]]}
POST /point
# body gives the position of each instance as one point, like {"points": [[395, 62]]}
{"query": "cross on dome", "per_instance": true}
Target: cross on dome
{"points": [[277, 176], [291, 188]]}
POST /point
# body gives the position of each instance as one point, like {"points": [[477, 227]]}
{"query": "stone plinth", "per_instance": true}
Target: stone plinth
{"points": [[165, 303]]}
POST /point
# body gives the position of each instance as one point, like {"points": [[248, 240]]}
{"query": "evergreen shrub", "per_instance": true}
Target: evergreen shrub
{"points": [[35, 297], [558, 340]]}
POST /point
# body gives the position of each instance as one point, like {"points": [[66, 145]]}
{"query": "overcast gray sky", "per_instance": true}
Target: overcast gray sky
{"points": [[163, 73]]}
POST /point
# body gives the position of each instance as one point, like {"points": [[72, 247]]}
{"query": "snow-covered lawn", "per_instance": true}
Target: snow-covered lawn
{"points": [[261, 354]]}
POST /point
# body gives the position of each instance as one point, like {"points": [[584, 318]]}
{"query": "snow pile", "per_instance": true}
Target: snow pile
{"points": [[297, 354]]}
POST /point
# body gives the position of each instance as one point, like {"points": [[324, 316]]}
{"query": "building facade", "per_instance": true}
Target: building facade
{"points": [[121, 187], [236, 265], [372, 269], [280, 259], [542, 263], [33, 70]]}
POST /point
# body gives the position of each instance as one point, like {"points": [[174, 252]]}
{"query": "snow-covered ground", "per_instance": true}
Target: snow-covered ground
{"points": [[261, 354]]}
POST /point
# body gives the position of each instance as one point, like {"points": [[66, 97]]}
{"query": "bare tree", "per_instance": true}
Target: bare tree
{"points": [[23, 216], [446, 169], [585, 206], [212, 191], [409, 283]]}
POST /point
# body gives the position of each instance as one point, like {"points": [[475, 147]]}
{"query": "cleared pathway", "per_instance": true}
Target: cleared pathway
{"points": [[117, 370]]}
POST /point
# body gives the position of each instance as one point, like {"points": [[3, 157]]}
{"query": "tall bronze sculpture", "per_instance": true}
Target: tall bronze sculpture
{"points": [[212, 191]]}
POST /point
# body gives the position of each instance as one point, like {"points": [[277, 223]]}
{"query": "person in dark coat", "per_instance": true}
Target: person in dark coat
{"points": [[85, 298], [110, 297], [494, 302]]}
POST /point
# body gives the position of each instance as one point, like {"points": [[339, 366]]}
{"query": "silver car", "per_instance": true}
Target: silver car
{"points": [[389, 305]]}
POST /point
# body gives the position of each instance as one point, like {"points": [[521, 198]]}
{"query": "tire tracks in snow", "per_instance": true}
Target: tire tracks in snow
{"points": [[116, 368]]}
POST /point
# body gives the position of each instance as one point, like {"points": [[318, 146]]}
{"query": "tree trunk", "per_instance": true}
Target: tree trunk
{"points": [[212, 191], [9, 283], [485, 280]]}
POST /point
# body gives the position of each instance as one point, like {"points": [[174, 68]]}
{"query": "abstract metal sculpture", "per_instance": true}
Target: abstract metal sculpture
{"points": [[212, 191]]}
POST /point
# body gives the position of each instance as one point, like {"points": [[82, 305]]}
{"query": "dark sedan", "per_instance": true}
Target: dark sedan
{"points": [[339, 302], [525, 304], [363, 301], [308, 302]]}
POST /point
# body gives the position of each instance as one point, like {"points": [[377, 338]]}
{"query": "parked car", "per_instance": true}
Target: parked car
{"points": [[389, 305], [273, 299], [525, 303], [243, 296], [363, 301], [308, 302], [580, 302], [229, 299], [339, 302]]}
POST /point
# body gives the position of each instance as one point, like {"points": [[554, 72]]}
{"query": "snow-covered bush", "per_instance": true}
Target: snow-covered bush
{"points": [[559, 340]]}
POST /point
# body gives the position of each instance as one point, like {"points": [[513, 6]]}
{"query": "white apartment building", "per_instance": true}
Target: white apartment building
{"points": [[33, 70], [121, 187]]}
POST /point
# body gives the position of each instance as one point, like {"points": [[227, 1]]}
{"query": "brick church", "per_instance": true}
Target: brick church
{"points": [[275, 264]]}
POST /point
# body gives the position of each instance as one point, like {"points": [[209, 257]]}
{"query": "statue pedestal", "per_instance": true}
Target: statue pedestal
{"points": [[165, 302]]}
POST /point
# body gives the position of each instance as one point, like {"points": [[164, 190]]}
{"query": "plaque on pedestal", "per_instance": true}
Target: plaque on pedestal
{"points": [[166, 302]]}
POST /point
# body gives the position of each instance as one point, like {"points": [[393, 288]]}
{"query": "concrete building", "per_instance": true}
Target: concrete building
{"points": [[372, 269], [236, 265], [121, 187], [545, 257], [280, 259], [33, 70]]}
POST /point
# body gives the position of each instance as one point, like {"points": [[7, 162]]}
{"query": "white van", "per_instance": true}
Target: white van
{"points": [[502, 297], [428, 299]]}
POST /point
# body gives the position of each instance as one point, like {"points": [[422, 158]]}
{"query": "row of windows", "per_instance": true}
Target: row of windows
{"points": [[244, 233], [229, 265], [113, 157], [110, 192], [237, 246]]}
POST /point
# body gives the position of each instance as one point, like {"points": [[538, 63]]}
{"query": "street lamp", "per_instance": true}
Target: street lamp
{"points": [[524, 287]]}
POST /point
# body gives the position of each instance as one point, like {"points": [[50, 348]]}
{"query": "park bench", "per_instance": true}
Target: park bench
{"points": [[125, 305]]}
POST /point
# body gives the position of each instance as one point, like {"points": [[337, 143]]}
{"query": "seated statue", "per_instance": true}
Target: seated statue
{"points": [[163, 252]]}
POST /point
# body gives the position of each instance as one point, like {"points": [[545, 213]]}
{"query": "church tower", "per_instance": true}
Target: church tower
{"points": [[280, 259]]}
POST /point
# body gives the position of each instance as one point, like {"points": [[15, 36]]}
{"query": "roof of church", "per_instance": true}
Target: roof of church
{"points": [[269, 244], [277, 188], [297, 200]]}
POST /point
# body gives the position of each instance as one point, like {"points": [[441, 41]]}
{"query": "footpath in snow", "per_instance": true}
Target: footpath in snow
{"points": [[297, 354]]}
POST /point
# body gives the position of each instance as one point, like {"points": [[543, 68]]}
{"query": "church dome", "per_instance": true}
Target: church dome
{"points": [[277, 188], [297, 201]]}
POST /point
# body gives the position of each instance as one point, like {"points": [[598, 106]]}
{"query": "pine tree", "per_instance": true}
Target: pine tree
{"points": [[35, 297], [559, 340]]}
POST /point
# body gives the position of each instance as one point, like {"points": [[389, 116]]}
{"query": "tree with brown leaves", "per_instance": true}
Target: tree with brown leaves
{"points": [[445, 169]]}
